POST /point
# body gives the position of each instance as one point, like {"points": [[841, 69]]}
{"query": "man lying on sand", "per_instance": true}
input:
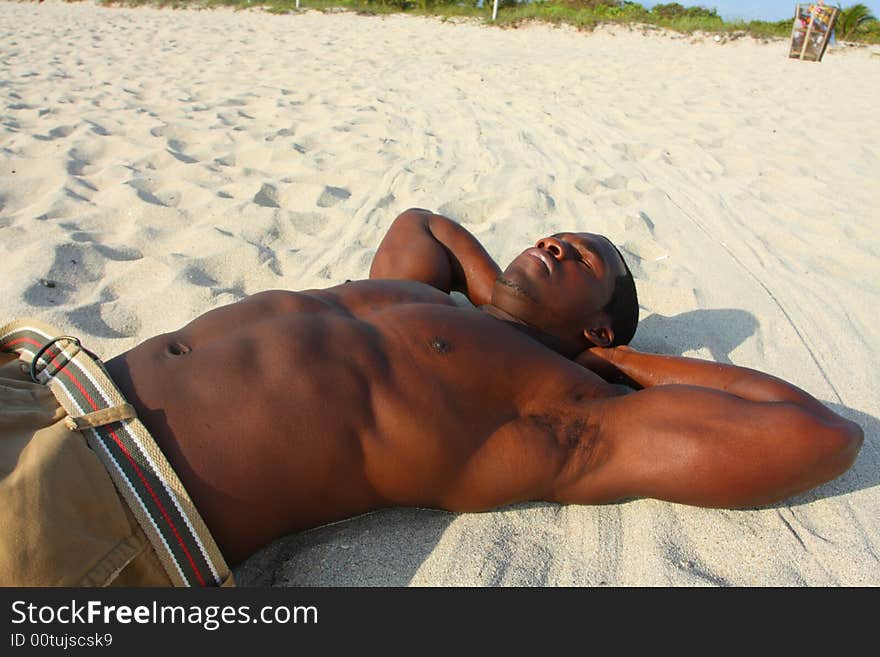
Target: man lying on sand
{"points": [[289, 410]]}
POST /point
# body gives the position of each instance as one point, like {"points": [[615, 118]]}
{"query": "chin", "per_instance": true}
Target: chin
{"points": [[513, 285]]}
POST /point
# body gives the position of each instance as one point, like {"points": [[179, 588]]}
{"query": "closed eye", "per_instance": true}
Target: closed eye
{"points": [[586, 255], [583, 258]]}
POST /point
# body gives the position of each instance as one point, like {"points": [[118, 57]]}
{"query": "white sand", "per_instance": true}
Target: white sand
{"points": [[158, 163]]}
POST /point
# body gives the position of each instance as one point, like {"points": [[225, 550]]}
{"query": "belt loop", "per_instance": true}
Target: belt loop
{"points": [[102, 417]]}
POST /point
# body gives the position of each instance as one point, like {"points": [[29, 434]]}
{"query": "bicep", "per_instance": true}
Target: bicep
{"points": [[409, 251], [708, 448], [433, 249]]}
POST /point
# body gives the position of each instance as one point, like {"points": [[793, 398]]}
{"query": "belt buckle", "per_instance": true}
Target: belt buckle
{"points": [[33, 369]]}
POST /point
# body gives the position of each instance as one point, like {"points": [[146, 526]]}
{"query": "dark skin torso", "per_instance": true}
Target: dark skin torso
{"points": [[289, 410]]}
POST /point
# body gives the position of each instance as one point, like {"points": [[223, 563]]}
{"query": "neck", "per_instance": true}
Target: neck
{"points": [[567, 348]]}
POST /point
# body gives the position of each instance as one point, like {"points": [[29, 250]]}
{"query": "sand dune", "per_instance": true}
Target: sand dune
{"points": [[155, 164]]}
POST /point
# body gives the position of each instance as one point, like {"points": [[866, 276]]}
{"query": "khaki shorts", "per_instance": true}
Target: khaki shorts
{"points": [[86, 497]]}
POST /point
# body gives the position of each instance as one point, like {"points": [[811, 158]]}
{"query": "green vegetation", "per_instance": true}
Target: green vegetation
{"points": [[857, 22]]}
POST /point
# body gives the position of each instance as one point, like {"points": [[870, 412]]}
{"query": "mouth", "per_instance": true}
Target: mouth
{"points": [[542, 256]]}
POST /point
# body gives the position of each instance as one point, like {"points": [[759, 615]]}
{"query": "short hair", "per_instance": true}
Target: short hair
{"points": [[623, 308]]}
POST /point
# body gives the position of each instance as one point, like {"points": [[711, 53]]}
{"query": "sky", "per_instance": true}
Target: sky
{"points": [[768, 10]]}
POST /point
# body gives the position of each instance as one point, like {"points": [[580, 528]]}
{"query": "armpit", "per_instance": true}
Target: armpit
{"points": [[619, 390], [579, 446], [568, 434]]}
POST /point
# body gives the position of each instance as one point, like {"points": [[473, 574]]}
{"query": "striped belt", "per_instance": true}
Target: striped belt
{"points": [[135, 463]]}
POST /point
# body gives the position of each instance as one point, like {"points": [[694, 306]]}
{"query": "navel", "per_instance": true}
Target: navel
{"points": [[177, 348]]}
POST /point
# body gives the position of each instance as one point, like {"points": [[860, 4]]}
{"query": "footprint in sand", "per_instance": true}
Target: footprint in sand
{"points": [[105, 320], [176, 148], [284, 132], [385, 201], [308, 223], [84, 157], [227, 118], [642, 224], [586, 185], [197, 275], [149, 192], [472, 211], [119, 254], [267, 197], [546, 199], [74, 266], [332, 195], [76, 233], [98, 129], [266, 255], [76, 167], [616, 182], [57, 133], [641, 242]]}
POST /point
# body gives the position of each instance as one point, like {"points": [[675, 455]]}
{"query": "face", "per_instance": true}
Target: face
{"points": [[561, 284]]}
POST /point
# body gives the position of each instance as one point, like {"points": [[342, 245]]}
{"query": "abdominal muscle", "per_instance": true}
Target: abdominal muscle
{"points": [[262, 423], [289, 413]]}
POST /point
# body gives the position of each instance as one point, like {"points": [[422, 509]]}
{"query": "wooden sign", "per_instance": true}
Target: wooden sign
{"points": [[812, 28]]}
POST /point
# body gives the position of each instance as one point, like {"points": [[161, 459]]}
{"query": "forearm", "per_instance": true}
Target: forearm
{"points": [[472, 270], [644, 370]]}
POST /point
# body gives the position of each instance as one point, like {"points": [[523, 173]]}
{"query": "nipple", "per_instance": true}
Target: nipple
{"points": [[440, 345]]}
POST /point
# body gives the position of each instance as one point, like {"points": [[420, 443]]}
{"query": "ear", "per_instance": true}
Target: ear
{"points": [[601, 336]]}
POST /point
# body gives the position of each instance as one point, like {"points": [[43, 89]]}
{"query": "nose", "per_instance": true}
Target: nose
{"points": [[553, 246]]}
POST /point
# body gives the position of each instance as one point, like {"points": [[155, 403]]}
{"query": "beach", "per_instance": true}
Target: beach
{"points": [[157, 163]]}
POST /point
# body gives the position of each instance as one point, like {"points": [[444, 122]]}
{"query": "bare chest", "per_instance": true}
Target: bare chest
{"points": [[298, 398]]}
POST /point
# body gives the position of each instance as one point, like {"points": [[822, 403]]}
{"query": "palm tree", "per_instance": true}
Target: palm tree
{"points": [[852, 19]]}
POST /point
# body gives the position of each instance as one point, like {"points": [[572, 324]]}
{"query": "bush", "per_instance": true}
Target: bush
{"points": [[853, 21], [399, 4], [589, 4], [673, 11]]}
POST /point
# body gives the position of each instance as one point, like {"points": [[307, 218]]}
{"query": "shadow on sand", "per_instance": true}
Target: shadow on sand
{"points": [[720, 331], [384, 548]]}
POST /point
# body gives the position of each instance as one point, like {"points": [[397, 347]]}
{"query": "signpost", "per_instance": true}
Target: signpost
{"points": [[811, 30]]}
